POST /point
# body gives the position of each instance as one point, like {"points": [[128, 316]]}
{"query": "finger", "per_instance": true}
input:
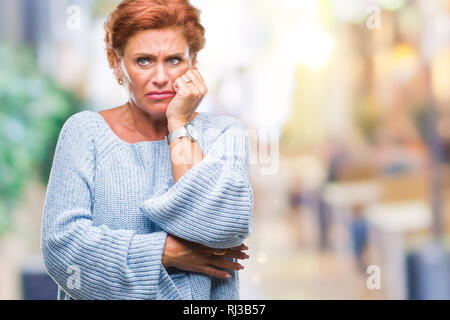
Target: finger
{"points": [[200, 80], [224, 263], [199, 83], [228, 253], [196, 74], [241, 247], [184, 89], [236, 254], [191, 86], [179, 85], [196, 87], [216, 272]]}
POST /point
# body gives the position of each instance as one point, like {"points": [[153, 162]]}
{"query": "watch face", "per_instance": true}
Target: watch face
{"points": [[192, 131]]}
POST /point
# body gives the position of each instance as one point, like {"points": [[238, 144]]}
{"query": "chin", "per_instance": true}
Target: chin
{"points": [[158, 108]]}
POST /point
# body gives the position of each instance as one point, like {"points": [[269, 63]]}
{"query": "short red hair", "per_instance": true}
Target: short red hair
{"points": [[132, 16]]}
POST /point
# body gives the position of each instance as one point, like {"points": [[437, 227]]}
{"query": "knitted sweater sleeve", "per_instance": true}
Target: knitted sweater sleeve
{"points": [[212, 202], [88, 261]]}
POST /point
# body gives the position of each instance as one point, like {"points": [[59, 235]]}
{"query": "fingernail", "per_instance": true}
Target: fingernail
{"points": [[228, 276], [241, 267]]}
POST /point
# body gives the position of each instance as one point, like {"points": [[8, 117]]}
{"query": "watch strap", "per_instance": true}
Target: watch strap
{"points": [[178, 133]]}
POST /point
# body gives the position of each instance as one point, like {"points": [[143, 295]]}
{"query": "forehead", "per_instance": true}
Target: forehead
{"points": [[156, 42]]}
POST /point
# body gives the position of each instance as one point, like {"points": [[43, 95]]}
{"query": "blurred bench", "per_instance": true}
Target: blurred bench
{"points": [[36, 283]]}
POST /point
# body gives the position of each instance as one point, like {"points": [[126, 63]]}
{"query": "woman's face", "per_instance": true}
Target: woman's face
{"points": [[151, 62]]}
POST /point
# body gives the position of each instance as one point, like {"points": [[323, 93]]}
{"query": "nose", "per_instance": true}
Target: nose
{"points": [[160, 76]]}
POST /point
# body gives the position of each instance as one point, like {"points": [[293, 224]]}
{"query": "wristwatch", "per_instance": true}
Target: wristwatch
{"points": [[188, 130]]}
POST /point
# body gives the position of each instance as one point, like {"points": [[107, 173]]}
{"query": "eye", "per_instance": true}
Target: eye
{"points": [[143, 61], [175, 60]]}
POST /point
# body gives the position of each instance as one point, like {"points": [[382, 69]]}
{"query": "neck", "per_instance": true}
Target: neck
{"points": [[149, 127]]}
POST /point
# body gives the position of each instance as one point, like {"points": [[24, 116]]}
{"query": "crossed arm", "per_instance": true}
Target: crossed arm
{"points": [[210, 210], [210, 204]]}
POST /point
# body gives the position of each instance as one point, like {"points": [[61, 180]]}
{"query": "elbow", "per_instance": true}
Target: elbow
{"points": [[50, 259], [234, 235], [45, 253], [58, 263], [222, 219]]}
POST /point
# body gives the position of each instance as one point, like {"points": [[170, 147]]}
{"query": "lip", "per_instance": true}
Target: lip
{"points": [[159, 95]]}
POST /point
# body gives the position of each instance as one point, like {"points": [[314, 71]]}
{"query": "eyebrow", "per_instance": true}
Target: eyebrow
{"points": [[153, 56]]}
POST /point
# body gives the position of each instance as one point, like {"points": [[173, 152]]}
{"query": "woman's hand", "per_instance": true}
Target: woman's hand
{"points": [[188, 96], [190, 256]]}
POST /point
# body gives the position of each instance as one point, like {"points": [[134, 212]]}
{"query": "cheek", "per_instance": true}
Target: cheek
{"points": [[141, 78], [138, 79], [175, 73]]}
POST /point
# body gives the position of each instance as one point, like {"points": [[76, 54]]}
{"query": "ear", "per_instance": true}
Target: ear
{"points": [[117, 65]]}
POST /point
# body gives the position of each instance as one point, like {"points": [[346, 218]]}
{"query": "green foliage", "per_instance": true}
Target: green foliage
{"points": [[32, 111]]}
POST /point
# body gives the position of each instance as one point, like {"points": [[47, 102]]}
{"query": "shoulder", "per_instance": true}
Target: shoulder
{"points": [[79, 129], [84, 117], [76, 144], [81, 123]]}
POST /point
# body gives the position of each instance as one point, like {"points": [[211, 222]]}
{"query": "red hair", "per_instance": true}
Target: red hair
{"points": [[132, 16]]}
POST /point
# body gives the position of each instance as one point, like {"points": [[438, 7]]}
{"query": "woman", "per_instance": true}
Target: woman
{"points": [[149, 200]]}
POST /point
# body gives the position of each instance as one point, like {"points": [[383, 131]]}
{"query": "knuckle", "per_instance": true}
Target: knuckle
{"points": [[211, 271], [219, 274], [194, 258]]}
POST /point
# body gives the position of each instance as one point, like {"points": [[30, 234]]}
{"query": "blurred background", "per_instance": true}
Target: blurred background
{"points": [[347, 103]]}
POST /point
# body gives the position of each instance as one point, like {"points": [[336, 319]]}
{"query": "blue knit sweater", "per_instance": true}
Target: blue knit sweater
{"points": [[110, 204]]}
